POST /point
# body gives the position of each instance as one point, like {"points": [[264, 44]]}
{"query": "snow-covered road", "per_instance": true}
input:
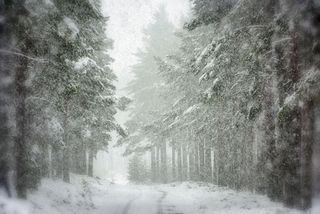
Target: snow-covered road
{"points": [[92, 196]]}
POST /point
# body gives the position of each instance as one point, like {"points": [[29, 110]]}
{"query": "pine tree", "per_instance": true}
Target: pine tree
{"points": [[160, 41], [8, 10], [137, 171]]}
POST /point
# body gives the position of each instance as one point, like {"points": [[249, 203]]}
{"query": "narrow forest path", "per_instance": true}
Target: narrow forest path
{"points": [[102, 197], [160, 205], [128, 206]]}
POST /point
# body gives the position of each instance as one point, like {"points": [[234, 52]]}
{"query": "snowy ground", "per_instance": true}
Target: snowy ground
{"points": [[95, 196]]}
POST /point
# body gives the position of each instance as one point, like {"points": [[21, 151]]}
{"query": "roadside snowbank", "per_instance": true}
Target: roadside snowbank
{"points": [[56, 196], [96, 196], [13, 206], [193, 198]]}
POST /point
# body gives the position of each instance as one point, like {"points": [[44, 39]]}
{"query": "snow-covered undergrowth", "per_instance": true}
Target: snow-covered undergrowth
{"points": [[96, 196], [56, 196], [197, 198], [13, 206]]}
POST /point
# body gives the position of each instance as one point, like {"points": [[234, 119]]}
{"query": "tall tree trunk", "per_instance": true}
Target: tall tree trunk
{"points": [[293, 194], [201, 160], [180, 162], [6, 98], [90, 162], [50, 165], [164, 170], [158, 153], [192, 165], [66, 150], [196, 162], [57, 164], [208, 162], [173, 162], [184, 163], [45, 160], [153, 164], [307, 142], [83, 162], [22, 159], [273, 185], [215, 167]]}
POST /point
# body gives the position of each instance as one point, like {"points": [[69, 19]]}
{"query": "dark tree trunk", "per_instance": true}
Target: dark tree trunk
{"points": [[57, 164], [307, 142], [208, 163], [173, 162], [201, 160], [6, 98], [79, 164], [22, 159], [191, 165], [164, 171], [83, 159], [180, 162], [90, 162], [66, 150], [215, 167], [293, 194], [45, 160], [196, 163], [158, 153], [315, 165], [66, 165], [50, 161], [184, 163], [153, 164]]}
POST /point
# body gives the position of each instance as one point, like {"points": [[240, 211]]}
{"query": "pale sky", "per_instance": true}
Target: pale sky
{"points": [[127, 20]]}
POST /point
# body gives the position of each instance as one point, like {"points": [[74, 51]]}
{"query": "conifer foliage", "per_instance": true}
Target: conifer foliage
{"points": [[241, 100], [56, 90]]}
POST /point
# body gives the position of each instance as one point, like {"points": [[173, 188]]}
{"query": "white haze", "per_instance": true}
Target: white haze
{"points": [[127, 19]]}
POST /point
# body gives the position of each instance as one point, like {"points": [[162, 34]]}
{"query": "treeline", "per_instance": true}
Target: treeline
{"points": [[57, 99], [240, 99]]}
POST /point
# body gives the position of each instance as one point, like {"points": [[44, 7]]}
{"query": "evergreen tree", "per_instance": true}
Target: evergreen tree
{"points": [[160, 41], [60, 79], [137, 170]]}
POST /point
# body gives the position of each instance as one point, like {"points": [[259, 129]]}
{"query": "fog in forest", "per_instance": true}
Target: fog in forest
{"points": [[159, 106]]}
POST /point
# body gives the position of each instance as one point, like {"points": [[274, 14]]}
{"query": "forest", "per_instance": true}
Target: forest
{"points": [[231, 99]]}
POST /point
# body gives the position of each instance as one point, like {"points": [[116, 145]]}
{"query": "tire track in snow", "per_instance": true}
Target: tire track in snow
{"points": [[160, 206], [128, 205]]}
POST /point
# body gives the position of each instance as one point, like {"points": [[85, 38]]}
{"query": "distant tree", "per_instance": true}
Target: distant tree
{"points": [[8, 10], [209, 11], [148, 102], [137, 170]]}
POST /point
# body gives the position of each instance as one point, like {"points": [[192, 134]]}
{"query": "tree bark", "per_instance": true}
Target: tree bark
{"points": [[153, 164], [57, 164], [192, 165], [196, 163], [201, 160], [50, 165], [6, 98], [45, 160], [184, 163], [66, 150], [173, 162], [90, 162], [22, 160], [158, 163], [180, 162], [215, 167], [208, 162], [307, 142], [164, 170]]}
